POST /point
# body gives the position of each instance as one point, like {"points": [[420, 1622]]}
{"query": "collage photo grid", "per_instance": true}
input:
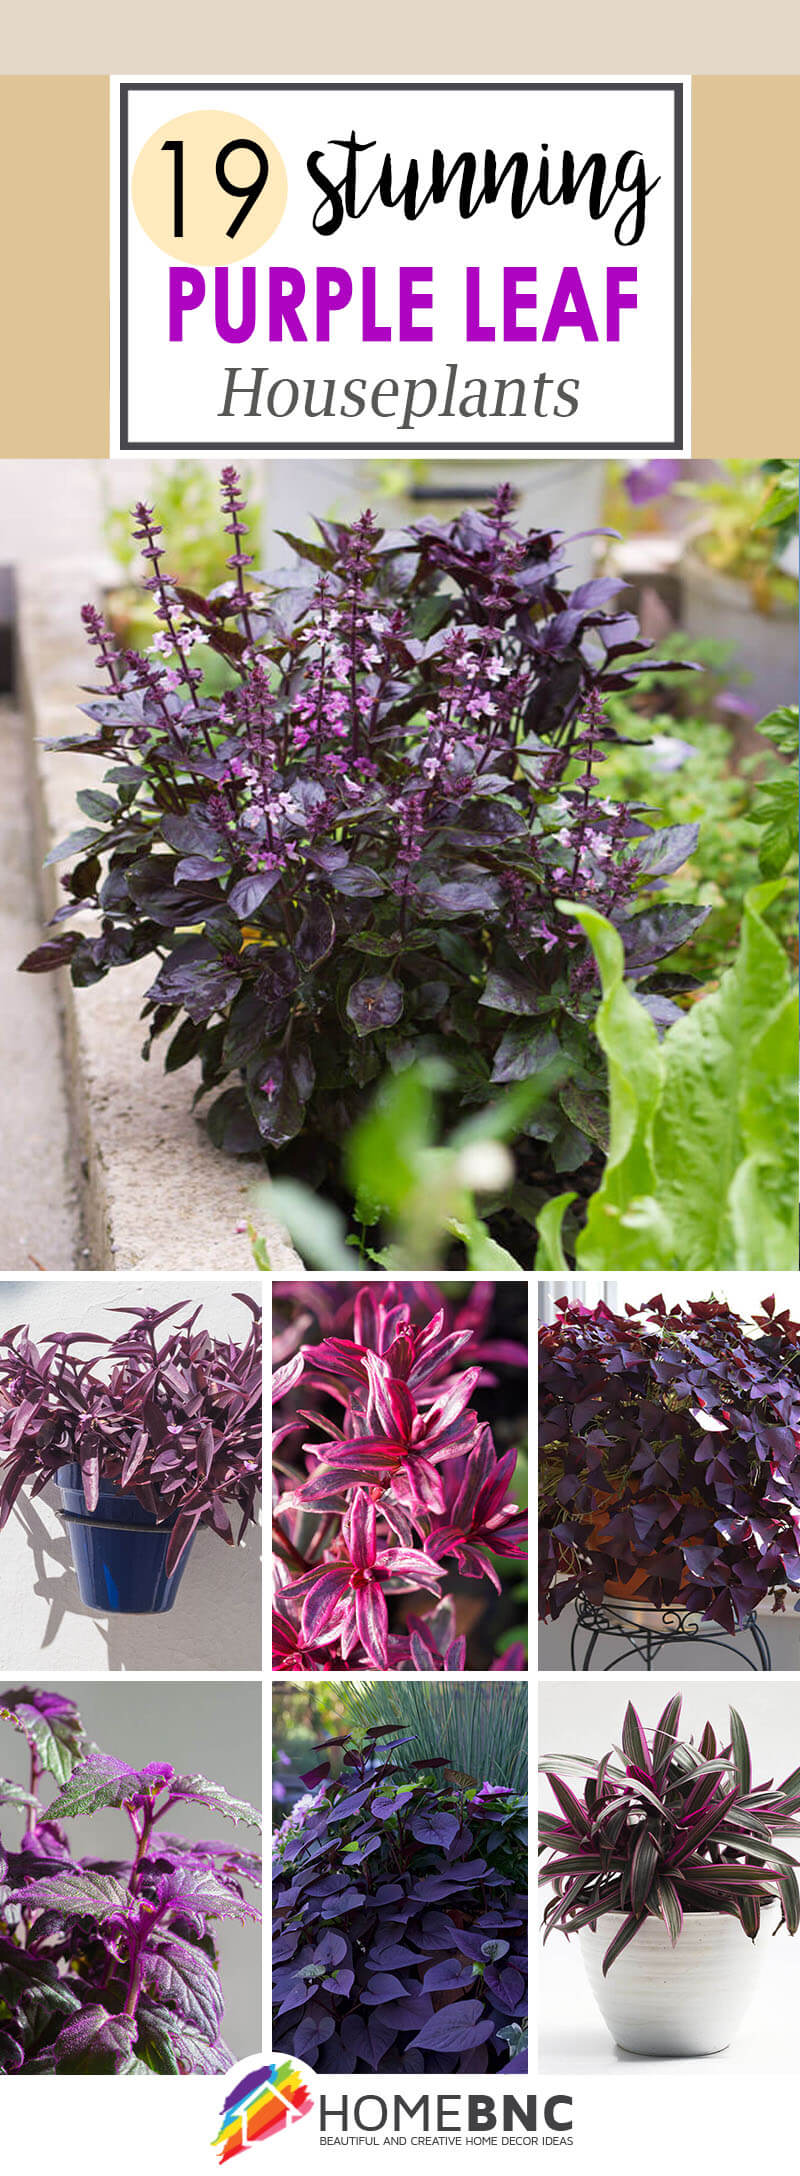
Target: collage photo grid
{"points": [[432, 1169]]}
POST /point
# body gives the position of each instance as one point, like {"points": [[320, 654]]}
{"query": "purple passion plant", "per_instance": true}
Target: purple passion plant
{"points": [[111, 1965], [164, 1410], [669, 1457], [353, 855], [663, 1827], [400, 1916], [385, 1484]]}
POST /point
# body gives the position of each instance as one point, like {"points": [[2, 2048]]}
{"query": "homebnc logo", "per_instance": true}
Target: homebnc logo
{"points": [[470, 2115], [262, 2103]]}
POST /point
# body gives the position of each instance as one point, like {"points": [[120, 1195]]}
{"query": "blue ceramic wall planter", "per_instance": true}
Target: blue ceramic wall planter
{"points": [[119, 1552]]}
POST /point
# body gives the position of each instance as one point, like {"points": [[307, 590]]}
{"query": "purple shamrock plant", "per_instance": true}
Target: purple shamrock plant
{"points": [[400, 1913], [669, 1457], [111, 1965], [164, 1411], [664, 1827], [354, 853], [387, 1485]]}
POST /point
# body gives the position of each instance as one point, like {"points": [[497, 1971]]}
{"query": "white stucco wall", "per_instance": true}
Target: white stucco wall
{"points": [[215, 1623]]}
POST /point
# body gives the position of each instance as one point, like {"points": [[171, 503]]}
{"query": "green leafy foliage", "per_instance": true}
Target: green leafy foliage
{"points": [[477, 1736], [702, 1165]]}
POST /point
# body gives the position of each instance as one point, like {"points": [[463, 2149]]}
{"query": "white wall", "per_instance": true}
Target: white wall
{"points": [[215, 1622], [53, 510]]}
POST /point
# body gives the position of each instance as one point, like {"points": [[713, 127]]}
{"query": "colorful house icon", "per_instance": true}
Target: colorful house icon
{"points": [[264, 2102]]}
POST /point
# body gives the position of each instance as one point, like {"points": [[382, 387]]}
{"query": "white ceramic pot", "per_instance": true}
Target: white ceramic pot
{"points": [[689, 2000]]}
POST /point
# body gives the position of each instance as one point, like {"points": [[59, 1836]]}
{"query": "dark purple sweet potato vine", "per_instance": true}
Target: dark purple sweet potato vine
{"points": [[400, 1917], [354, 856], [111, 1965], [175, 1419]]}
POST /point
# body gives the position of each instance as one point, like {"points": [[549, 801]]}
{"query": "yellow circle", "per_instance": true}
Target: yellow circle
{"points": [[177, 185]]}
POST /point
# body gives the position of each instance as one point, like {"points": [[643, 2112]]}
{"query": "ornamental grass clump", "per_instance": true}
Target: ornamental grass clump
{"points": [[386, 1485], [110, 1965], [353, 855], [664, 1827], [164, 1411], [400, 1914], [669, 1457]]}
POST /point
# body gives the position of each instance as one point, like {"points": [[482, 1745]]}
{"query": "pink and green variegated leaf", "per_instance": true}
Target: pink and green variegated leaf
{"points": [[668, 1905], [325, 1594], [412, 1564], [634, 1743], [372, 1623], [623, 1936], [390, 1402], [570, 1805], [360, 1528]]}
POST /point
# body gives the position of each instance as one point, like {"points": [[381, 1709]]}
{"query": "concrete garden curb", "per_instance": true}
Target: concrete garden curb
{"points": [[156, 1194]]}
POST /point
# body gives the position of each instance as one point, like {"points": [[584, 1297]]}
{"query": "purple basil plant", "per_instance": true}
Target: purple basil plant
{"points": [[663, 1827], [354, 854], [669, 1457], [163, 1410], [387, 1485], [111, 1965], [400, 1915]]}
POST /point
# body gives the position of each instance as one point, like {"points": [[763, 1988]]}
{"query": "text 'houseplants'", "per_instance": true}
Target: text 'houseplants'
{"points": [[161, 1423], [663, 1864], [387, 1486], [111, 1965], [353, 855], [400, 1910], [669, 1457]]}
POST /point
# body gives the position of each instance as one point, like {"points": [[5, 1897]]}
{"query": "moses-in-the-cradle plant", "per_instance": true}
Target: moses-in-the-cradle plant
{"points": [[110, 1965], [354, 854], [386, 1484], [663, 1828], [669, 1456], [400, 1914], [165, 1411]]}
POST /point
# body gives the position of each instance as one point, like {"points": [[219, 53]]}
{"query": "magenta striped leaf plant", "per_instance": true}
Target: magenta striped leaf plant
{"points": [[661, 1827], [387, 1488]]}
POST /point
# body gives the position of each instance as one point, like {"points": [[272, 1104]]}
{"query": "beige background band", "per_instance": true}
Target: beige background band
{"points": [[54, 393]]}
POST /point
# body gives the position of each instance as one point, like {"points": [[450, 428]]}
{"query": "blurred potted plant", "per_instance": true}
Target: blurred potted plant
{"points": [[739, 572], [664, 1867]]}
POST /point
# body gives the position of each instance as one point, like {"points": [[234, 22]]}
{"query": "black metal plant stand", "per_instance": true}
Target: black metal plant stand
{"points": [[642, 1641]]}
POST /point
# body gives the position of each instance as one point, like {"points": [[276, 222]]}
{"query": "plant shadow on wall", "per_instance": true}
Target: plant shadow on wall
{"points": [[150, 1435], [110, 1966], [669, 1468], [387, 845], [663, 1861], [400, 1887], [399, 1533]]}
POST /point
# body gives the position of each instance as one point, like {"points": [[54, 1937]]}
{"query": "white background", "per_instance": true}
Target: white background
{"points": [[626, 389]]}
